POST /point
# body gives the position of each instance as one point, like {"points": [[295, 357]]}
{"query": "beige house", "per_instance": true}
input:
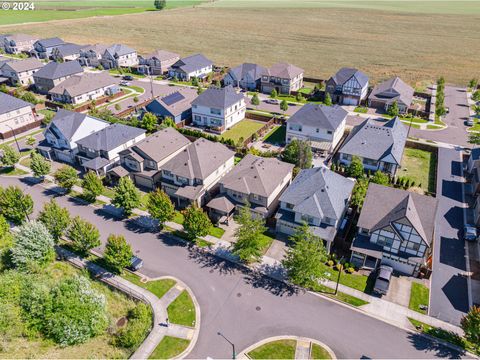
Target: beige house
{"points": [[282, 77], [21, 72], [158, 62], [16, 116], [18, 43]]}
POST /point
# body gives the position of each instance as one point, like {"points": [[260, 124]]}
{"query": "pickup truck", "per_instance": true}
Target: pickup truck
{"points": [[382, 282]]}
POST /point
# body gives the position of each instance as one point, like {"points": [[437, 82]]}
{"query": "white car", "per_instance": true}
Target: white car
{"points": [[470, 121], [470, 233]]}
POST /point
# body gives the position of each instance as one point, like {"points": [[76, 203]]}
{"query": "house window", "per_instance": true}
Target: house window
{"points": [[317, 130], [215, 111], [329, 132], [289, 206]]}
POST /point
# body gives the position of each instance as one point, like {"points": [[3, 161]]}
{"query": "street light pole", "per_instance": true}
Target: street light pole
{"points": [[234, 354], [14, 136], [151, 81], [339, 274]]}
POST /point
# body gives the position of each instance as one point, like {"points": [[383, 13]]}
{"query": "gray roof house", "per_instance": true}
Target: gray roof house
{"points": [[395, 228], [158, 62], [348, 86], [16, 116], [379, 147], [20, 72], [43, 48], [119, 55], [54, 73], [255, 179], [18, 43], [176, 105], [191, 66], [282, 77], [322, 125], [67, 52], [245, 76], [91, 55], [392, 90], [318, 197], [190, 175]]}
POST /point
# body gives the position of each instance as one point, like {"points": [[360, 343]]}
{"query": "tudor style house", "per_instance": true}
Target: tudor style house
{"points": [[218, 108], [16, 116], [18, 43], [91, 55], [395, 228], [282, 77], [145, 159], [67, 52], [392, 90], [119, 55], [256, 180], [192, 173], [322, 125], [53, 74], [43, 48], [20, 72], [157, 63], [318, 197], [378, 147], [348, 86], [246, 76], [177, 105], [191, 66]]}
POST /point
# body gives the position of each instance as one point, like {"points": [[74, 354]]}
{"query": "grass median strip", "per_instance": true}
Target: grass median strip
{"points": [[156, 287], [169, 348], [280, 349], [319, 352], [182, 310]]}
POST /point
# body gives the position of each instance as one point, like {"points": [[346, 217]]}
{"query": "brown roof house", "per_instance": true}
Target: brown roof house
{"points": [[282, 77], [157, 63], [392, 90], [18, 43]]}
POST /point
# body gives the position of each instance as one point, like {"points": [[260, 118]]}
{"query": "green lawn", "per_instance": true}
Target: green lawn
{"points": [[265, 241], [156, 287], [169, 348], [178, 218], [124, 72], [276, 135], [418, 296], [136, 88], [420, 166], [290, 98], [244, 129], [182, 310], [108, 192], [355, 281], [349, 299], [12, 171], [216, 231], [305, 90], [319, 352], [280, 349], [361, 109], [27, 161]]}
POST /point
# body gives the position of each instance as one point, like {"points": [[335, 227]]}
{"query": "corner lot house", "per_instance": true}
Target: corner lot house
{"points": [[119, 55], [392, 90], [246, 76], [78, 89], [193, 172], [91, 55], [318, 197], [145, 159], [260, 181], [20, 72], [177, 105], [395, 228], [43, 48], [218, 108], [16, 116], [18, 43], [67, 52], [348, 86], [157, 63], [282, 77], [191, 66], [322, 125], [379, 147], [53, 74]]}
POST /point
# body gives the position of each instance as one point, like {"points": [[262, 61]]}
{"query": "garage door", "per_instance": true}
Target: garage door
{"points": [[63, 157], [289, 230], [350, 101], [142, 181], [401, 267]]}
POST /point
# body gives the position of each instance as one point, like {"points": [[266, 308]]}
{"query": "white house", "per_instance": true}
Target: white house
{"points": [[348, 86], [16, 116], [119, 55], [20, 72], [191, 66]]}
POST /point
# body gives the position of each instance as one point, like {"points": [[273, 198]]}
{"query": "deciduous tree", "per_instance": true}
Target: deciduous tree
{"points": [[39, 165], [55, 218], [92, 186], [149, 122], [196, 223], [66, 177], [471, 326], [355, 168], [118, 253], [160, 206], [15, 205], [84, 235], [255, 100], [126, 196], [393, 109], [32, 244], [9, 156], [298, 152], [248, 246], [380, 178]]}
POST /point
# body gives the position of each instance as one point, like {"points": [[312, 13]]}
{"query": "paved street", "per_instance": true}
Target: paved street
{"points": [[449, 290], [247, 308]]}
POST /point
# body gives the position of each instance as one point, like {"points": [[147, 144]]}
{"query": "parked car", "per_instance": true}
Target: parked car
{"points": [[136, 263], [382, 282], [128, 77], [272, 101], [470, 233], [124, 83]]}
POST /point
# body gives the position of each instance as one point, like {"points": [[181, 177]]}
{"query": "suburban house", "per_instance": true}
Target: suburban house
{"points": [[392, 90], [193, 172], [119, 55], [218, 108], [157, 63], [282, 77], [318, 197], [16, 116], [99, 151], [18, 43], [91, 55], [191, 66], [348, 86], [473, 160], [255, 180], [54, 73], [43, 48], [177, 105], [145, 159], [20, 72], [63, 132], [78, 89], [395, 228], [378, 147], [322, 125], [67, 52], [246, 76]]}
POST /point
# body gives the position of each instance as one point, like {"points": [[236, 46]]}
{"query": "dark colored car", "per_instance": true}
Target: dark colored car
{"points": [[128, 77], [136, 263], [382, 282]]}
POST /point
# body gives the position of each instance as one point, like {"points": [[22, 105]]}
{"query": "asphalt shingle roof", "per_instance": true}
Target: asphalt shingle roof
{"points": [[192, 63], [394, 89], [284, 71], [240, 72], [68, 122], [218, 97], [69, 49], [24, 65], [51, 42], [162, 55], [81, 84], [344, 74], [10, 103], [119, 49], [177, 107], [320, 116], [54, 70], [110, 137]]}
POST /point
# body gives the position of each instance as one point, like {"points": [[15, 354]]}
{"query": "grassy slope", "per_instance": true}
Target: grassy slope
{"points": [[280, 349], [169, 347]]}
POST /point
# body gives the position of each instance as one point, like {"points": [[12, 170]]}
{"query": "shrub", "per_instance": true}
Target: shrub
{"points": [[66, 177], [330, 263], [338, 267], [139, 323], [350, 270]]}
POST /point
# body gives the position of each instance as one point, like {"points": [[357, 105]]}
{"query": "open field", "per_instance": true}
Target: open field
{"points": [[414, 45]]}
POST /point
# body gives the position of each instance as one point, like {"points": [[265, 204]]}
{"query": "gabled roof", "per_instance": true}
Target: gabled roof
{"points": [[96, 48], [54, 70], [320, 116], [257, 175], [218, 97], [69, 49], [96, 163], [199, 159], [376, 142], [175, 103], [68, 122], [10, 103], [81, 84], [254, 71], [284, 71], [20, 38], [192, 63], [110, 137], [162, 55], [319, 192], [119, 50], [51, 42], [384, 205], [24, 65], [345, 74], [391, 90]]}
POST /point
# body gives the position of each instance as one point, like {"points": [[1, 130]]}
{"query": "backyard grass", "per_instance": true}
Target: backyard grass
{"points": [[418, 296], [169, 348], [216, 231], [319, 352], [305, 91], [420, 166], [280, 349], [244, 129], [182, 311], [276, 135], [156, 287], [361, 109]]}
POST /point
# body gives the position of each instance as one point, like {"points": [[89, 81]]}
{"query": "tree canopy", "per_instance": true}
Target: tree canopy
{"points": [[298, 152], [160, 206], [118, 253], [66, 177], [32, 244], [126, 196], [248, 246], [39, 165], [15, 205], [196, 223], [55, 218], [92, 186], [84, 235]]}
